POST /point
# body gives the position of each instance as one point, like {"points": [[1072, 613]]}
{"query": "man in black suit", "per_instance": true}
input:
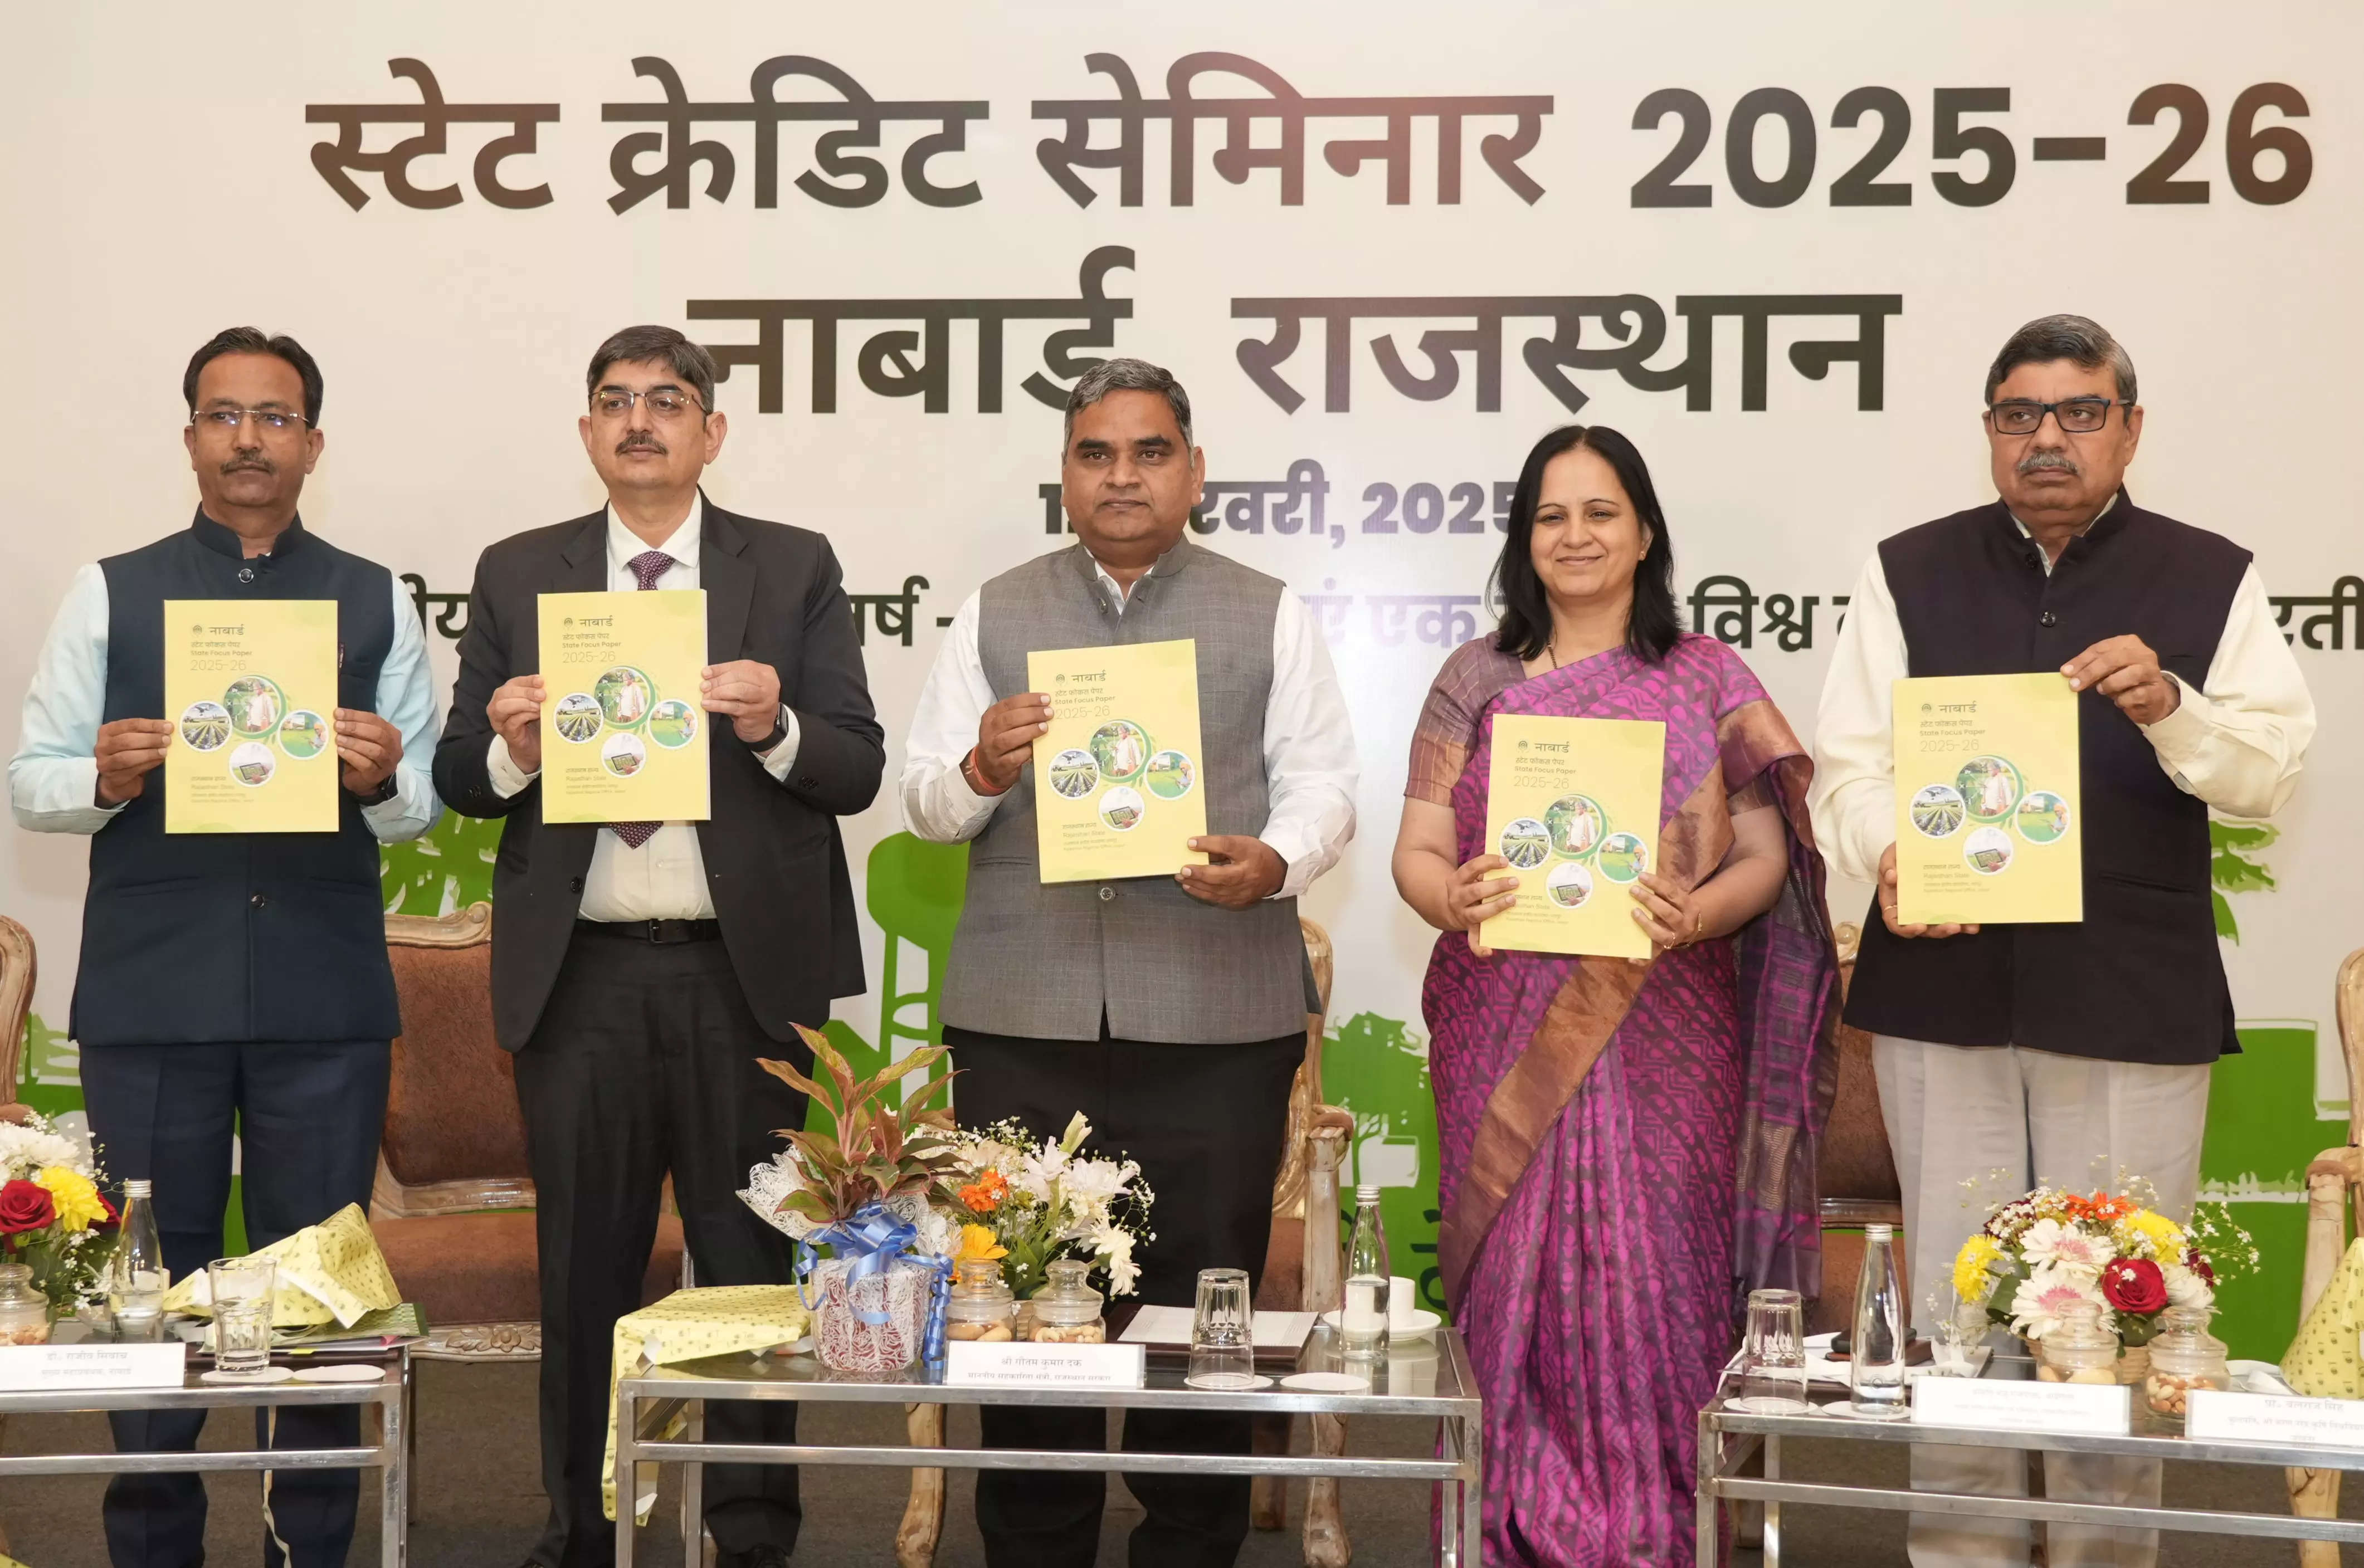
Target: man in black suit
{"points": [[641, 968]]}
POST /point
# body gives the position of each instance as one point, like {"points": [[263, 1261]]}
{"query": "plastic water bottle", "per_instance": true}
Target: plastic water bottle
{"points": [[1363, 1324], [135, 1277], [1875, 1371]]}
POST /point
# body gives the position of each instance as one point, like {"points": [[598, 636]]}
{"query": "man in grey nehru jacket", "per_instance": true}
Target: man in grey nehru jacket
{"points": [[1171, 1012]]}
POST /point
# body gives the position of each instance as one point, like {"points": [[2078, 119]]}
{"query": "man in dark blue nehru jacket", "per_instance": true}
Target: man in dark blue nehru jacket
{"points": [[231, 981]]}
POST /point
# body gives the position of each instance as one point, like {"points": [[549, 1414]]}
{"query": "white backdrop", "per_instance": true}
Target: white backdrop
{"points": [[161, 186]]}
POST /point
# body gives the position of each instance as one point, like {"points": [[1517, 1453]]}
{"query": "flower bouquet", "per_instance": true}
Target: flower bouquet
{"points": [[1031, 1203], [53, 1220], [877, 1193], [2050, 1255]]}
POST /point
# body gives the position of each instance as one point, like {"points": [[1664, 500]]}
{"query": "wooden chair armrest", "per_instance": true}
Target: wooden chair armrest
{"points": [[18, 1114], [2330, 1177]]}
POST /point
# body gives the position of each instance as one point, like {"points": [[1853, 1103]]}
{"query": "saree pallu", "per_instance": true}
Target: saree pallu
{"points": [[1627, 1148]]}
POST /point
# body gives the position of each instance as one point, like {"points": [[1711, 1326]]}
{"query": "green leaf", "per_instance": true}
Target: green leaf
{"points": [[800, 1082], [2225, 925], [2231, 874]]}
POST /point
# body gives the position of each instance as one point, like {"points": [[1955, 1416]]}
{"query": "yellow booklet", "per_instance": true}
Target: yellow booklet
{"points": [[1116, 777], [1986, 800], [250, 687], [624, 737], [1573, 805]]}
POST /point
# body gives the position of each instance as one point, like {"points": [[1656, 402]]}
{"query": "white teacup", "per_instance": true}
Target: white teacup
{"points": [[1403, 1303]]}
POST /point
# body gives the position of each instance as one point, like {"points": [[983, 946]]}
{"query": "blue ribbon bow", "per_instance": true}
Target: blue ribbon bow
{"points": [[873, 1241]]}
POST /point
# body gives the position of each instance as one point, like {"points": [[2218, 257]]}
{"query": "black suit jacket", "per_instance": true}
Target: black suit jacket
{"points": [[774, 862]]}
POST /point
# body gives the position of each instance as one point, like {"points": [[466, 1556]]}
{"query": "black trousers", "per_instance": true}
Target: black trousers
{"points": [[1206, 1122], [645, 1063], [308, 1118]]}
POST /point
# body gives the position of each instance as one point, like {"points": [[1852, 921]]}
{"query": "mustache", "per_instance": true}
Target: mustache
{"points": [[250, 464], [642, 443], [2037, 461]]}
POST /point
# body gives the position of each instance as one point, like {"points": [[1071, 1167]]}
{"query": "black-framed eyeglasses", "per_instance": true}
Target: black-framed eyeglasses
{"points": [[2078, 416], [277, 421], [664, 403]]}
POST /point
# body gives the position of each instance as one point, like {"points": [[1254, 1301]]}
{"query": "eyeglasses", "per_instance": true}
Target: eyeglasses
{"points": [[665, 402], [2078, 416], [275, 421]]}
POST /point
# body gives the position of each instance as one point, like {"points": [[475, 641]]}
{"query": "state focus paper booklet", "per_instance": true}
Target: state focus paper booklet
{"points": [[1573, 805], [1986, 800], [1117, 775], [250, 687], [624, 737]]}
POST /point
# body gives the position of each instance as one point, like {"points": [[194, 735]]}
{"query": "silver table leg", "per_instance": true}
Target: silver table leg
{"points": [[1709, 1533], [628, 1450], [1772, 1557], [693, 1491], [393, 1476], [1473, 1490]]}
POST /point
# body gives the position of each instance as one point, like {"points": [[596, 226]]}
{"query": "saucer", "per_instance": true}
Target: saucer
{"points": [[1422, 1326], [1327, 1382]]}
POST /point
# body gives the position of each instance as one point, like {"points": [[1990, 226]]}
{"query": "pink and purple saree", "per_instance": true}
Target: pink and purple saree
{"points": [[1627, 1148]]}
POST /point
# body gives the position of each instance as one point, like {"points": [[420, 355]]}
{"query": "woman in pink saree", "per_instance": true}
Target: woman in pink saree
{"points": [[1627, 1147]]}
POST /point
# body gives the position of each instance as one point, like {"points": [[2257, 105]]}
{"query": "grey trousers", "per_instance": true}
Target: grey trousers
{"points": [[1971, 1126]]}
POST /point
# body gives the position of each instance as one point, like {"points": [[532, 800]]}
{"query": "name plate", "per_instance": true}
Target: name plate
{"points": [[970, 1365], [2218, 1415], [32, 1369], [2093, 1410]]}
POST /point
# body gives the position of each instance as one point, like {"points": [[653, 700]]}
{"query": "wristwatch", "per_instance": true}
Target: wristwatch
{"points": [[387, 788], [779, 733]]}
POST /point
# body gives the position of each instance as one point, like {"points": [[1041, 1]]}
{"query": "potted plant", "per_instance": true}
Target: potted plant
{"points": [[874, 1192]]}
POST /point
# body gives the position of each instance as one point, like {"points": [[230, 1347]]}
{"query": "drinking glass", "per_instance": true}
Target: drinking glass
{"points": [[1222, 1334], [1957, 1329], [1773, 1354], [241, 1303]]}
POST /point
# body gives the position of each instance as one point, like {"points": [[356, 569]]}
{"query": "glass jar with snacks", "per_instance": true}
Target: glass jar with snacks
{"points": [[1067, 1310], [980, 1306], [2184, 1356], [2077, 1348], [24, 1311]]}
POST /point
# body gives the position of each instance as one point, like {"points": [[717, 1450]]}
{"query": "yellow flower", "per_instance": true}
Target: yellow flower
{"points": [[976, 1242], [1978, 1254], [2165, 1236], [77, 1201]]}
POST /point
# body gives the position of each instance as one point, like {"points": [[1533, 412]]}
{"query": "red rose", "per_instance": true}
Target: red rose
{"points": [[26, 1205], [2199, 1265], [2134, 1285]]}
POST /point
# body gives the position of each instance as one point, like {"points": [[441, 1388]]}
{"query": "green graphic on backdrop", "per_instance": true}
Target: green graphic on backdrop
{"points": [[2261, 1132], [1377, 1068], [2230, 870], [448, 867]]}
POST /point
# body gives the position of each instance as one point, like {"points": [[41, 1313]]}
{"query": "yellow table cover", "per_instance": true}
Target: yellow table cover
{"points": [[2324, 1359], [329, 1271], [715, 1321]]}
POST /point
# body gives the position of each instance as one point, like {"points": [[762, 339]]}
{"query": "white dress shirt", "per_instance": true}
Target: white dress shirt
{"points": [[2236, 744], [664, 878], [53, 777], [1309, 743]]}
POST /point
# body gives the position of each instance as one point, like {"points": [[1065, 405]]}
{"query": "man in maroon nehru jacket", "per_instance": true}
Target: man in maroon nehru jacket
{"points": [[2072, 1054]]}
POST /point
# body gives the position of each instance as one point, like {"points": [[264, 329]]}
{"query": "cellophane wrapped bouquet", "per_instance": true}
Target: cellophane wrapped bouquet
{"points": [[1029, 1201], [2043, 1251]]}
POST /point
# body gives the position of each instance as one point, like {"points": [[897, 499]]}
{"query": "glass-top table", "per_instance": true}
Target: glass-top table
{"points": [[1729, 1440], [1422, 1380]]}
